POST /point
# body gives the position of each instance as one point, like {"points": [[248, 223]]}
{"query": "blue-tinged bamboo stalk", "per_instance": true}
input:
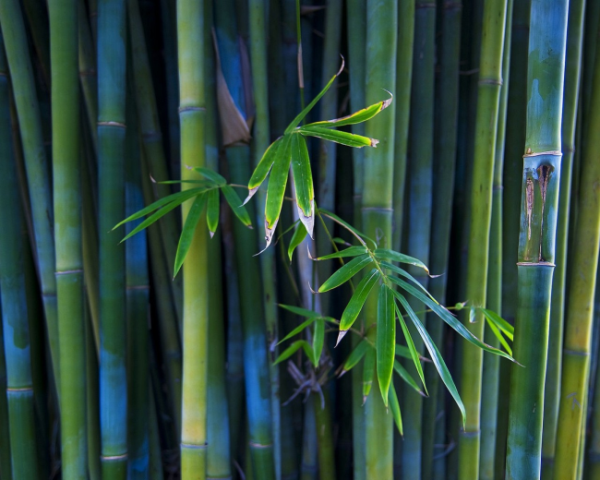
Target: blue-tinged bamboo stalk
{"points": [[580, 301], [418, 222], [539, 204], [261, 140], [511, 198], [490, 81], [5, 462], [87, 72], [382, 24], [356, 24], [94, 444], [446, 101], [190, 52], [66, 154], [37, 17], [156, 467], [111, 189], [557, 307], [309, 469], [152, 140], [38, 177], [491, 363], [15, 328], [137, 303]]}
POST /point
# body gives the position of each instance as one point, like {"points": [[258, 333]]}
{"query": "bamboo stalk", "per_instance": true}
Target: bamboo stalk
{"points": [[68, 233], [111, 189], [539, 202], [92, 402], [592, 461], [557, 307], [190, 48], [309, 469], [5, 454], [382, 23], [580, 301], [15, 329]]}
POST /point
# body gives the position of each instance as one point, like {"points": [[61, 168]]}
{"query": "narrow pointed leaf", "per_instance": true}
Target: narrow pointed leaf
{"points": [[404, 352], [385, 253], [414, 353], [345, 273], [303, 181], [499, 336], [233, 199], [436, 357], [405, 274], [502, 324], [187, 233], [276, 188], [400, 370], [358, 299], [395, 408], [343, 138], [359, 116], [386, 340], [298, 329], [359, 235], [347, 252], [262, 169], [293, 348], [303, 312], [318, 340], [212, 211], [211, 175], [356, 355], [297, 239], [368, 372]]}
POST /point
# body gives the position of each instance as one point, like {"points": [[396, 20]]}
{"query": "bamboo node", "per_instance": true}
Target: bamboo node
{"points": [[260, 445], [68, 272], [19, 389], [193, 446], [490, 81], [425, 5], [113, 458], [536, 264], [111, 124], [530, 153], [191, 109]]}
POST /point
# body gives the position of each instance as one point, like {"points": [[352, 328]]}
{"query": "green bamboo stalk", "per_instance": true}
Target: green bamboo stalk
{"points": [[5, 463], [13, 30], [580, 302], [261, 136], [592, 461], [19, 391], [87, 72], [356, 23], [511, 202], [137, 298], [67, 226], [539, 202], [92, 401], [309, 469], [190, 51], [443, 186], [382, 23], [111, 186], [490, 81], [491, 363], [557, 307], [419, 208], [324, 430], [152, 140]]}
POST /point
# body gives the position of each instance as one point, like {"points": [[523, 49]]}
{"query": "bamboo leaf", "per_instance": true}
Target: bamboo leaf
{"points": [[175, 197], [395, 408], [297, 239], [347, 252], [412, 349], [407, 275], [212, 211], [499, 336], [400, 370], [293, 348], [296, 121], [359, 116], [262, 169], [343, 138], [187, 233], [276, 189], [318, 340], [436, 357], [211, 175], [345, 273], [303, 181], [359, 235], [356, 303], [355, 356], [502, 324], [298, 329], [368, 371], [236, 206], [386, 340], [303, 312], [384, 253]]}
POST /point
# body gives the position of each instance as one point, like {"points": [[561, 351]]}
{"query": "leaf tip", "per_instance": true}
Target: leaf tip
{"points": [[341, 335], [251, 193], [342, 66], [374, 142]]}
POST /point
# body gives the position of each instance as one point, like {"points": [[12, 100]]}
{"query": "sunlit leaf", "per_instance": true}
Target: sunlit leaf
{"points": [[386, 340], [303, 181], [233, 199], [502, 324], [412, 349], [357, 302], [187, 233], [345, 273], [357, 117], [344, 138], [318, 340], [212, 211], [499, 336], [211, 175], [262, 169], [395, 408], [276, 188], [298, 237]]}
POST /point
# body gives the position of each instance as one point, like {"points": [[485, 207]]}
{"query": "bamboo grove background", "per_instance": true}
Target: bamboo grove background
{"points": [[487, 170]]}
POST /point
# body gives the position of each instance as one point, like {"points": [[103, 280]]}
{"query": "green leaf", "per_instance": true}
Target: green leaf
{"points": [[407, 275], [383, 253], [233, 199], [297, 238], [357, 117], [355, 356], [276, 188], [403, 351], [179, 197], [187, 233], [303, 181], [303, 312], [502, 324], [347, 252], [436, 357], [400, 370], [337, 136], [212, 211], [450, 319], [412, 349], [345, 273], [262, 169], [395, 408], [368, 371], [359, 235], [499, 336], [386, 340], [318, 340], [296, 121], [211, 175], [293, 348], [298, 329], [357, 302]]}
